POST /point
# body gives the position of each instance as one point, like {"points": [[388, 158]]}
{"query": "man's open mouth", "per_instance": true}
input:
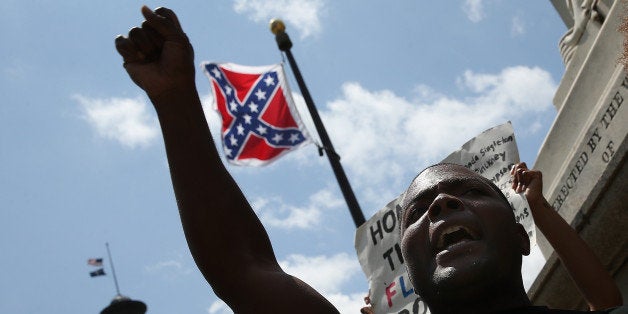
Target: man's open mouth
{"points": [[454, 235]]}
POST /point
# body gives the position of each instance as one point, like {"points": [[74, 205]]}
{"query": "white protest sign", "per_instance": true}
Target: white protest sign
{"points": [[379, 253], [491, 154]]}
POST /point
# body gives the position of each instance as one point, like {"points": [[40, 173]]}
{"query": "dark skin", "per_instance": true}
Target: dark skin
{"points": [[226, 239], [482, 273], [586, 270], [241, 267]]}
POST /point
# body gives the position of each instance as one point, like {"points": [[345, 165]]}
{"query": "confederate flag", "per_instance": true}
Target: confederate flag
{"points": [[259, 119]]}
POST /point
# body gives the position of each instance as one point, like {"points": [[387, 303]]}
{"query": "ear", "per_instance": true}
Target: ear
{"points": [[524, 240]]}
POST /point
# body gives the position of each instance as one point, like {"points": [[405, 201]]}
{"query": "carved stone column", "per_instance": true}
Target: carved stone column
{"points": [[583, 157]]}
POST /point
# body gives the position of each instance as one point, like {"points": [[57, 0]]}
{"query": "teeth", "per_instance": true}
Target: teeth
{"points": [[441, 239], [449, 230]]}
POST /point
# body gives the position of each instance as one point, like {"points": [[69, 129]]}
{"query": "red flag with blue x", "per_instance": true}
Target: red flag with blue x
{"points": [[259, 119]]}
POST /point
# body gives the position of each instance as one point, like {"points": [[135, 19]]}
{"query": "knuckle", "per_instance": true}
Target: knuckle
{"points": [[162, 9], [120, 41], [135, 31]]}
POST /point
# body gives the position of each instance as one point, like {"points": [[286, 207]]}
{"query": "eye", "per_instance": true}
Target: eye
{"points": [[474, 191], [415, 212]]}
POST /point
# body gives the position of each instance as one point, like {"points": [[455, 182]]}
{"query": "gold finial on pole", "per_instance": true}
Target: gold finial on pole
{"points": [[277, 26]]}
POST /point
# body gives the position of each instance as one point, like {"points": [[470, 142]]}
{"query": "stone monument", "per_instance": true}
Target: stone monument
{"points": [[583, 157]]}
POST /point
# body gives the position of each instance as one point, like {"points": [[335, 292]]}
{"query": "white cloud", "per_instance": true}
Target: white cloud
{"points": [[305, 116], [383, 138], [275, 212], [160, 266], [326, 274], [378, 134], [518, 27], [347, 303], [535, 127], [213, 119], [16, 71], [519, 88], [219, 307], [474, 9], [304, 15], [169, 269], [126, 120], [531, 265]]}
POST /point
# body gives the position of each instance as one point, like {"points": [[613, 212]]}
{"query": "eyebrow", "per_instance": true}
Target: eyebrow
{"points": [[448, 183]]}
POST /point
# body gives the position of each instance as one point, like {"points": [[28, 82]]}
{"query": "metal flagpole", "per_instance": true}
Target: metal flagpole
{"points": [[284, 43], [113, 270]]}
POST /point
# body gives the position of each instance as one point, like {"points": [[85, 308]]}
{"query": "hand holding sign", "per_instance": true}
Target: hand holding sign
{"points": [[529, 182]]}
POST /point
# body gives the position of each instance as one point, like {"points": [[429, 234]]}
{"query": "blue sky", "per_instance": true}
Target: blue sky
{"points": [[398, 84]]}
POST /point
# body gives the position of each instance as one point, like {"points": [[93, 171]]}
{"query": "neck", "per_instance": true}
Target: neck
{"points": [[478, 301]]}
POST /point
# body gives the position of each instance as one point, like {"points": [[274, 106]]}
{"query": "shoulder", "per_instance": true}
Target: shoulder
{"points": [[545, 310], [617, 310]]}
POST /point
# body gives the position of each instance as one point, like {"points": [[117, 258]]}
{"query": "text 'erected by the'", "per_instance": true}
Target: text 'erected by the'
{"points": [[597, 140]]}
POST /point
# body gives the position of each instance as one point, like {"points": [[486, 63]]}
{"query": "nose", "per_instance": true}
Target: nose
{"points": [[443, 204]]}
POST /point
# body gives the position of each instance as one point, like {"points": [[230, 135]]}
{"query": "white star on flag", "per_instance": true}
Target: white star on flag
{"points": [[253, 107], [233, 105], [269, 81], [260, 120], [294, 137], [247, 119], [278, 137], [260, 94], [216, 73], [262, 130]]}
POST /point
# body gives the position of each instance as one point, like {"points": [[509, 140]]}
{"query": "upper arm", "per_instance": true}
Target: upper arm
{"points": [[271, 290], [233, 251], [227, 240]]}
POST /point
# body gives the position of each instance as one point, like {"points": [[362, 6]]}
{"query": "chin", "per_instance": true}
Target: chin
{"points": [[462, 281]]}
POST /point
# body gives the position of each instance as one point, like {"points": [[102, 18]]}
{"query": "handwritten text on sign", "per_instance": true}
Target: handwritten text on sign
{"points": [[490, 154]]}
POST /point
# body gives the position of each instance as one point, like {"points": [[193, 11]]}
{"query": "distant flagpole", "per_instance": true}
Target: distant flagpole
{"points": [[284, 43], [113, 270]]}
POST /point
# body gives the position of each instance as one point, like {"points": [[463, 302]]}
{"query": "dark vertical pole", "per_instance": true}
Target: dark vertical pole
{"points": [[284, 43], [113, 270]]}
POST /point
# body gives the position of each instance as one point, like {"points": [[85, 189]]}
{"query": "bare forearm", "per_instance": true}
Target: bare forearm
{"points": [[590, 276], [221, 228], [227, 240]]}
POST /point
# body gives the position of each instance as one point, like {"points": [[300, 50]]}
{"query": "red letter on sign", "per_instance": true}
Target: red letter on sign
{"points": [[389, 294]]}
